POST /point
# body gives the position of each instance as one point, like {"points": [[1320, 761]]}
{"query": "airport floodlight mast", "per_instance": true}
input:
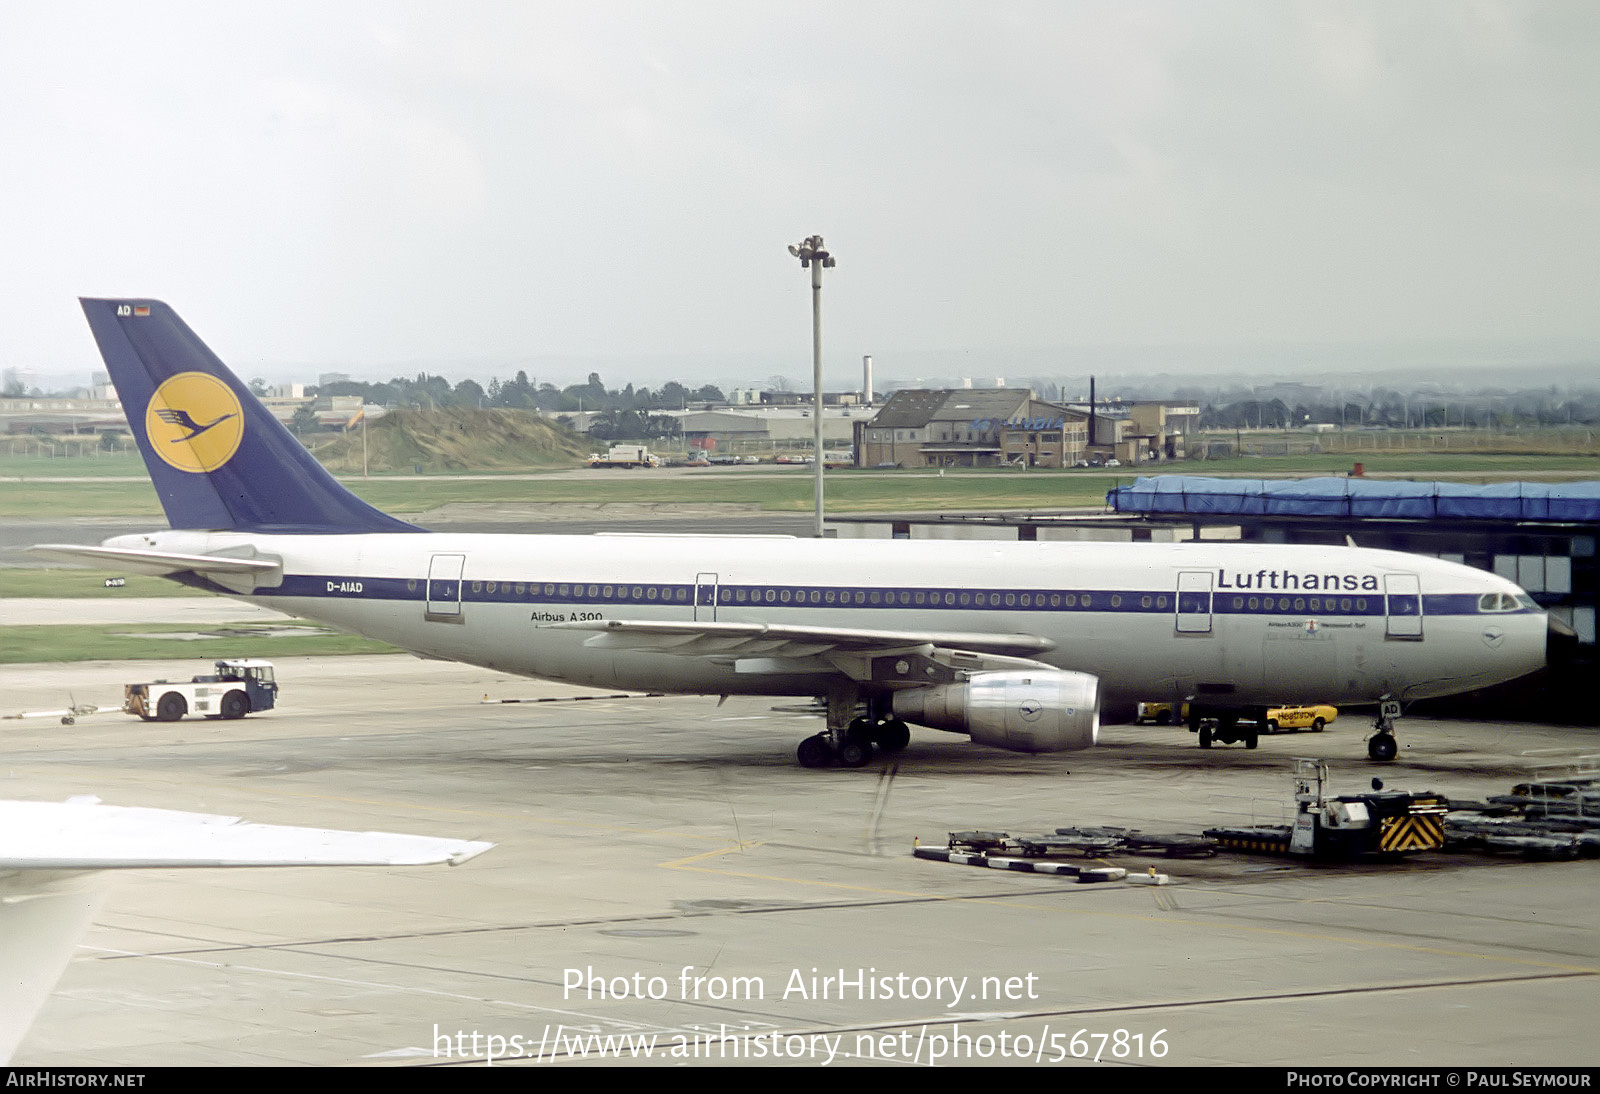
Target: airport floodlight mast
{"points": [[813, 255]]}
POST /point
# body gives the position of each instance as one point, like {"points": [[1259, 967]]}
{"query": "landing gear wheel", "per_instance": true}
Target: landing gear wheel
{"points": [[235, 705], [1205, 736], [815, 752], [891, 736], [1382, 747], [854, 751], [172, 707]]}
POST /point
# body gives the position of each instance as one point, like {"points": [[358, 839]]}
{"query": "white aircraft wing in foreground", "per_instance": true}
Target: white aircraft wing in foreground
{"points": [[50, 853]]}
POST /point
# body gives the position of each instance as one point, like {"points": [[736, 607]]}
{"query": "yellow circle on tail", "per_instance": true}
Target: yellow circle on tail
{"points": [[194, 422]]}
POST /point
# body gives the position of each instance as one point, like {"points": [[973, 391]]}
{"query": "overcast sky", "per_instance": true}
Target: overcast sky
{"points": [[380, 186]]}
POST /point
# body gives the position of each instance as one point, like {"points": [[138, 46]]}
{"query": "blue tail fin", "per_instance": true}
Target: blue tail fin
{"points": [[219, 459]]}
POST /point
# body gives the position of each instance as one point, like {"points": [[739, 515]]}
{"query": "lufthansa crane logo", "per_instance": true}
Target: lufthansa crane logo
{"points": [[194, 422]]}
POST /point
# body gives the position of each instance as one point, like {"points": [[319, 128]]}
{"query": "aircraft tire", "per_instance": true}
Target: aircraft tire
{"points": [[815, 752], [892, 735], [854, 752], [171, 707], [235, 705], [1382, 747]]}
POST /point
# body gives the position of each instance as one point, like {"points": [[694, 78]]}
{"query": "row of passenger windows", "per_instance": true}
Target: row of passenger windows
{"points": [[681, 594], [790, 595], [933, 598], [916, 598], [670, 593]]}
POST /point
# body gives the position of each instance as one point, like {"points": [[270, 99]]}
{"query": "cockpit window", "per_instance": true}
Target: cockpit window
{"points": [[1500, 602]]}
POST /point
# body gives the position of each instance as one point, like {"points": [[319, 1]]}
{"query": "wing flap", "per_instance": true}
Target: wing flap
{"points": [[696, 639]]}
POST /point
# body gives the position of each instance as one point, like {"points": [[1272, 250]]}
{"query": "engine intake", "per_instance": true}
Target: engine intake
{"points": [[1023, 710]]}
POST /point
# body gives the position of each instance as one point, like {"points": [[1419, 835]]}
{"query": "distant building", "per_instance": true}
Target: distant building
{"points": [[1160, 429], [957, 427]]}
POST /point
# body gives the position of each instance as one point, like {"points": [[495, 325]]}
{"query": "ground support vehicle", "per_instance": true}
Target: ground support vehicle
{"points": [[1347, 826], [236, 688], [1162, 714], [626, 456]]}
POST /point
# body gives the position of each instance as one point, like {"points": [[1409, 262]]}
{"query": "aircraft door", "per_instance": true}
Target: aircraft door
{"points": [[1403, 605], [444, 588], [1194, 603], [705, 598]]}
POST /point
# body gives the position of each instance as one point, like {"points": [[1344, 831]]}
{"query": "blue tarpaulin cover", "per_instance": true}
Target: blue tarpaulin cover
{"points": [[1352, 497]]}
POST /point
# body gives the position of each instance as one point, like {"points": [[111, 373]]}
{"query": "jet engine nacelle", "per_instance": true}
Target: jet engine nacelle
{"points": [[1020, 710]]}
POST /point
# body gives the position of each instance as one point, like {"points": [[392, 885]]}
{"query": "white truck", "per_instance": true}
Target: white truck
{"points": [[238, 687], [625, 455]]}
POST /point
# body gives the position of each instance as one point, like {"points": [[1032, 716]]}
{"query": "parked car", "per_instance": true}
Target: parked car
{"points": [[1312, 717], [1162, 714]]}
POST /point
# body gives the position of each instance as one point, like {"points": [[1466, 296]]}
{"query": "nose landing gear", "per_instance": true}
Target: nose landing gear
{"points": [[1382, 746]]}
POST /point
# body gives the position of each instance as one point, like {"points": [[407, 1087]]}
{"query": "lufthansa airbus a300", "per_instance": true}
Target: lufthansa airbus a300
{"points": [[1021, 646]]}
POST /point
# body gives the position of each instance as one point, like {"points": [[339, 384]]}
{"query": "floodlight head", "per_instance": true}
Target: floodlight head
{"points": [[794, 250]]}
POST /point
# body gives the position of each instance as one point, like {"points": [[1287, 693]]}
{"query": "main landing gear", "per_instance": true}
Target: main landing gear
{"points": [[854, 744], [1382, 746]]}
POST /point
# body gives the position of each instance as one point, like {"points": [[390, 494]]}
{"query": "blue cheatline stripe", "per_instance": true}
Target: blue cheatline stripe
{"points": [[1131, 601]]}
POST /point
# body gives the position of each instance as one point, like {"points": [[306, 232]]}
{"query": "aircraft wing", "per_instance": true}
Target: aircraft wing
{"points": [[745, 640], [50, 853], [155, 563], [83, 834]]}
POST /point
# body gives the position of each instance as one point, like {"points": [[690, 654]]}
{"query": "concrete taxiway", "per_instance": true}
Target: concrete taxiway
{"points": [[666, 874]]}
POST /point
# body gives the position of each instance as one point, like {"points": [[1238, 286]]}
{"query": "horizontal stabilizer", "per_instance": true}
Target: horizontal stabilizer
{"points": [[156, 563]]}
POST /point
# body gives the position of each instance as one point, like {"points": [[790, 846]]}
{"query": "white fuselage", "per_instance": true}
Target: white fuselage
{"points": [[1237, 623]]}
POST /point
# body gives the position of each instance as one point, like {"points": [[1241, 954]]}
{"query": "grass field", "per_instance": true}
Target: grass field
{"points": [[18, 582], [125, 642], [852, 492], [847, 491]]}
